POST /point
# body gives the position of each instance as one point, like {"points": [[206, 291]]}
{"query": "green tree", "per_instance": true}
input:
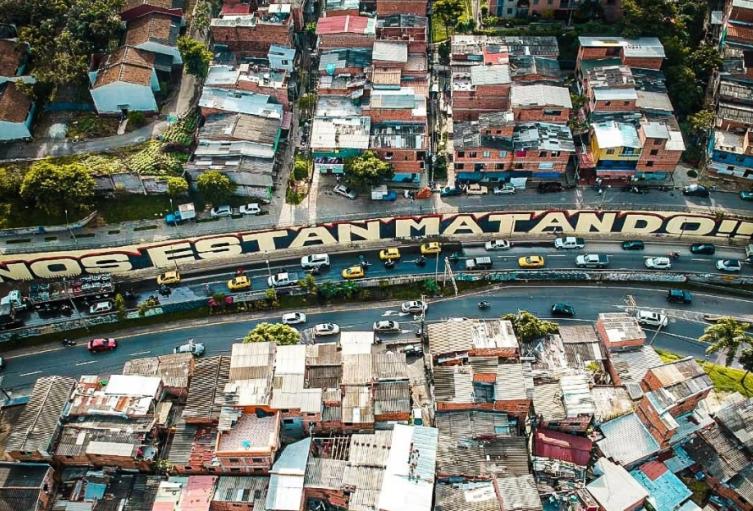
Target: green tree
{"points": [[10, 183], [704, 60], [311, 28], [202, 17], [444, 52], [726, 334], [529, 327], [746, 361], [273, 332], [701, 121], [196, 56], [120, 306], [55, 188], [309, 284], [300, 169], [306, 104], [176, 186], [215, 186], [366, 170], [448, 11]]}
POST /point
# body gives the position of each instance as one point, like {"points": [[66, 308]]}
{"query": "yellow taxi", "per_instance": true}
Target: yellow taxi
{"points": [[430, 248], [531, 262], [389, 254], [354, 272], [239, 283], [168, 278]]}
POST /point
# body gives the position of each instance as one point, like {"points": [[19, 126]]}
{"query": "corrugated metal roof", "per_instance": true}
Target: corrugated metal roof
{"points": [[390, 51], [392, 397], [738, 419], [251, 360], [613, 134], [357, 369], [453, 384], [718, 453], [610, 402], [562, 446], [512, 383], [323, 354], [251, 489], [305, 400], [38, 424], [633, 365], [576, 395], [466, 425], [370, 449], [357, 405], [285, 491], [475, 459], [626, 440], [471, 496], [518, 493], [460, 336], [547, 401], [615, 490], [205, 396], [490, 75], [325, 473], [665, 490], [409, 474], [389, 365], [540, 95]]}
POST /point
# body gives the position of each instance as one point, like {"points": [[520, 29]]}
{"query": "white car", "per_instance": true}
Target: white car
{"points": [[569, 242], [386, 326], [729, 265], [497, 245], [651, 318], [507, 189], [194, 348], [314, 261], [282, 279], [101, 307], [221, 211], [293, 318], [250, 209], [658, 263], [414, 306], [345, 192], [323, 329]]}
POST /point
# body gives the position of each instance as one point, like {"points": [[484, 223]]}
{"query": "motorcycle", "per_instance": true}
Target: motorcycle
{"points": [[421, 261], [483, 305], [68, 342], [674, 255], [390, 264]]}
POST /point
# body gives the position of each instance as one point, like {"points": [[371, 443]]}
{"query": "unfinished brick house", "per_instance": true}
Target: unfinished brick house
{"points": [[388, 7], [644, 52], [253, 35], [345, 32], [540, 102], [480, 90], [406, 28]]}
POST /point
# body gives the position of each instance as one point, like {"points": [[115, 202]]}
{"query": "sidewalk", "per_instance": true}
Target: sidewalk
{"points": [[45, 148]]}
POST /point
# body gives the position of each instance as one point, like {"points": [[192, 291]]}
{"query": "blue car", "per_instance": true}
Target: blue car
{"points": [[449, 191]]}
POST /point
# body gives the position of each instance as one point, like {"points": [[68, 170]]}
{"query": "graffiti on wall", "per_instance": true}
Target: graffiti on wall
{"points": [[174, 253]]}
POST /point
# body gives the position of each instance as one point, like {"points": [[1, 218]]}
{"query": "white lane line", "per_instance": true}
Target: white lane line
{"points": [[140, 353], [86, 363], [29, 374], [702, 260], [557, 255]]}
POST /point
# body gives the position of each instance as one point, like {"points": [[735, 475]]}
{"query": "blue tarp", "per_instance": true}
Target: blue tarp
{"points": [[95, 491]]}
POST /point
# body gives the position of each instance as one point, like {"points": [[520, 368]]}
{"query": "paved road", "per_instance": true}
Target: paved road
{"points": [[685, 325]]}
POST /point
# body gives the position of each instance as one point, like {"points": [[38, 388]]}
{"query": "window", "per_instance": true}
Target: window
{"points": [[628, 151], [730, 168], [555, 154], [649, 164], [288, 421], [626, 103], [518, 166], [499, 166], [187, 467], [234, 460], [657, 141], [509, 10], [487, 154], [546, 165], [459, 166], [607, 103], [388, 155], [472, 154], [654, 152], [235, 470], [610, 151], [257, 460], [502, 154], [461, 154], [542, 154], [535, 2], [552, 112]]}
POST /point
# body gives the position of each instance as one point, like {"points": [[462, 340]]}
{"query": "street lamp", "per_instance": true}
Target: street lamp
{"points": [[68, 226]]}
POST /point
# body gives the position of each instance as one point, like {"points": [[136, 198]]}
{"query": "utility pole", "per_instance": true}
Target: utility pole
{"points": [[449, 273]]}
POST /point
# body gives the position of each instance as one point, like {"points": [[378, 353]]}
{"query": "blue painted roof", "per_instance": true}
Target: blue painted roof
{"points": [[667, 492], [680, 461], [94, 491]]}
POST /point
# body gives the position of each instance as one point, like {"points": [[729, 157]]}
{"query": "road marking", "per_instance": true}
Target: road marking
{"points": [[29, 374], [140, 353], [702, 260], [557, 255], [86, 363]]}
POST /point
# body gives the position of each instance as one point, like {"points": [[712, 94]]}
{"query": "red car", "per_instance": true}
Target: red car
{"points": [[96, 345]]}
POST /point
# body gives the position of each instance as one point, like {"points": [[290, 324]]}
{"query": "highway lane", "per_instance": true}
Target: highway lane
{"points": [[685, 325], [205, 284]]}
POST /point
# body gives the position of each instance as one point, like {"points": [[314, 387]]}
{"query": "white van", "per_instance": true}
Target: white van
{"points": [[309, 262]]}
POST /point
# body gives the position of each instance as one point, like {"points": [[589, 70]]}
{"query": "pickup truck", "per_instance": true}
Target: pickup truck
{"points": [[383, 193], [283, 279], [478, 263], [184, 213], [569, 242], [592, 261]]}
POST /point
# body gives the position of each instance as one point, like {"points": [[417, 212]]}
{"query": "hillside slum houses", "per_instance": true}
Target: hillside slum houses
{"points": [[588, 418]]}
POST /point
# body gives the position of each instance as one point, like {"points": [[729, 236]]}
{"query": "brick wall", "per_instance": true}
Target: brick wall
{"points": [[516, 407], [740, 13], [379, 115], [650, 418], [387, 7], [253, 41], [532, 159], [612, 105], [619, 345], [243, 463], [571, 425], [343, 40], [402, 160], [454, 407], [495, 161], [644, 63], [468, 105], [728, 493], [586, 53], [543, 114], [663, 161], [416, 37]]}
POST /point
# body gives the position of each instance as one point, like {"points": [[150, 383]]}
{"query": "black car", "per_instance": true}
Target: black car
{"points": [[549, 187], [633, 245], [702, 248], [696, 191]]}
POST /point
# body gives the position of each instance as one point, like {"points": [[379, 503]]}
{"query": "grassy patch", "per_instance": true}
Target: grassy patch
{"points": [[90, 125], [726, 379], [132, 207], [699, 488]]}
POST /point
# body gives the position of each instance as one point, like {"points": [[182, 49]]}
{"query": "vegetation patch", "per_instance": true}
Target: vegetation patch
{"points": [[725, 379], [90, 125]]}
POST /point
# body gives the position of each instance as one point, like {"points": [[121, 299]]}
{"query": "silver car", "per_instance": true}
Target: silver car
{"points": [[658, 263]]}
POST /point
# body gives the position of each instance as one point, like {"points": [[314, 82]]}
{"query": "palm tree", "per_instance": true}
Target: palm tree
{"points": [[728, 334], [746, 360]]}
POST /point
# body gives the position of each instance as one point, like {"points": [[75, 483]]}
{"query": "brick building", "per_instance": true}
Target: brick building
{"points": [[619, 331], [253, 78], [253, 35], [453, 341], [345, 32], [249, 444], [480, 90], [402, 144], [644, 52], [133, 9], [539, 102], [406, 28], [26, 486]]}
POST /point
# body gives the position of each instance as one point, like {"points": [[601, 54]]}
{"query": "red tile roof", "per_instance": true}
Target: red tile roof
{"points": [[739, 33], [562, 446], [653, 469], [10, 57], [236, 9], [126, 64], [152, 27], [14, 104], [342, 24]]}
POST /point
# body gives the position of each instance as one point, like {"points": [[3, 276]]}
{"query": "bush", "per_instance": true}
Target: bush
{"points": [[692, 173], [136, 119], [176, 186], [10, 183], [300, 169]]}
